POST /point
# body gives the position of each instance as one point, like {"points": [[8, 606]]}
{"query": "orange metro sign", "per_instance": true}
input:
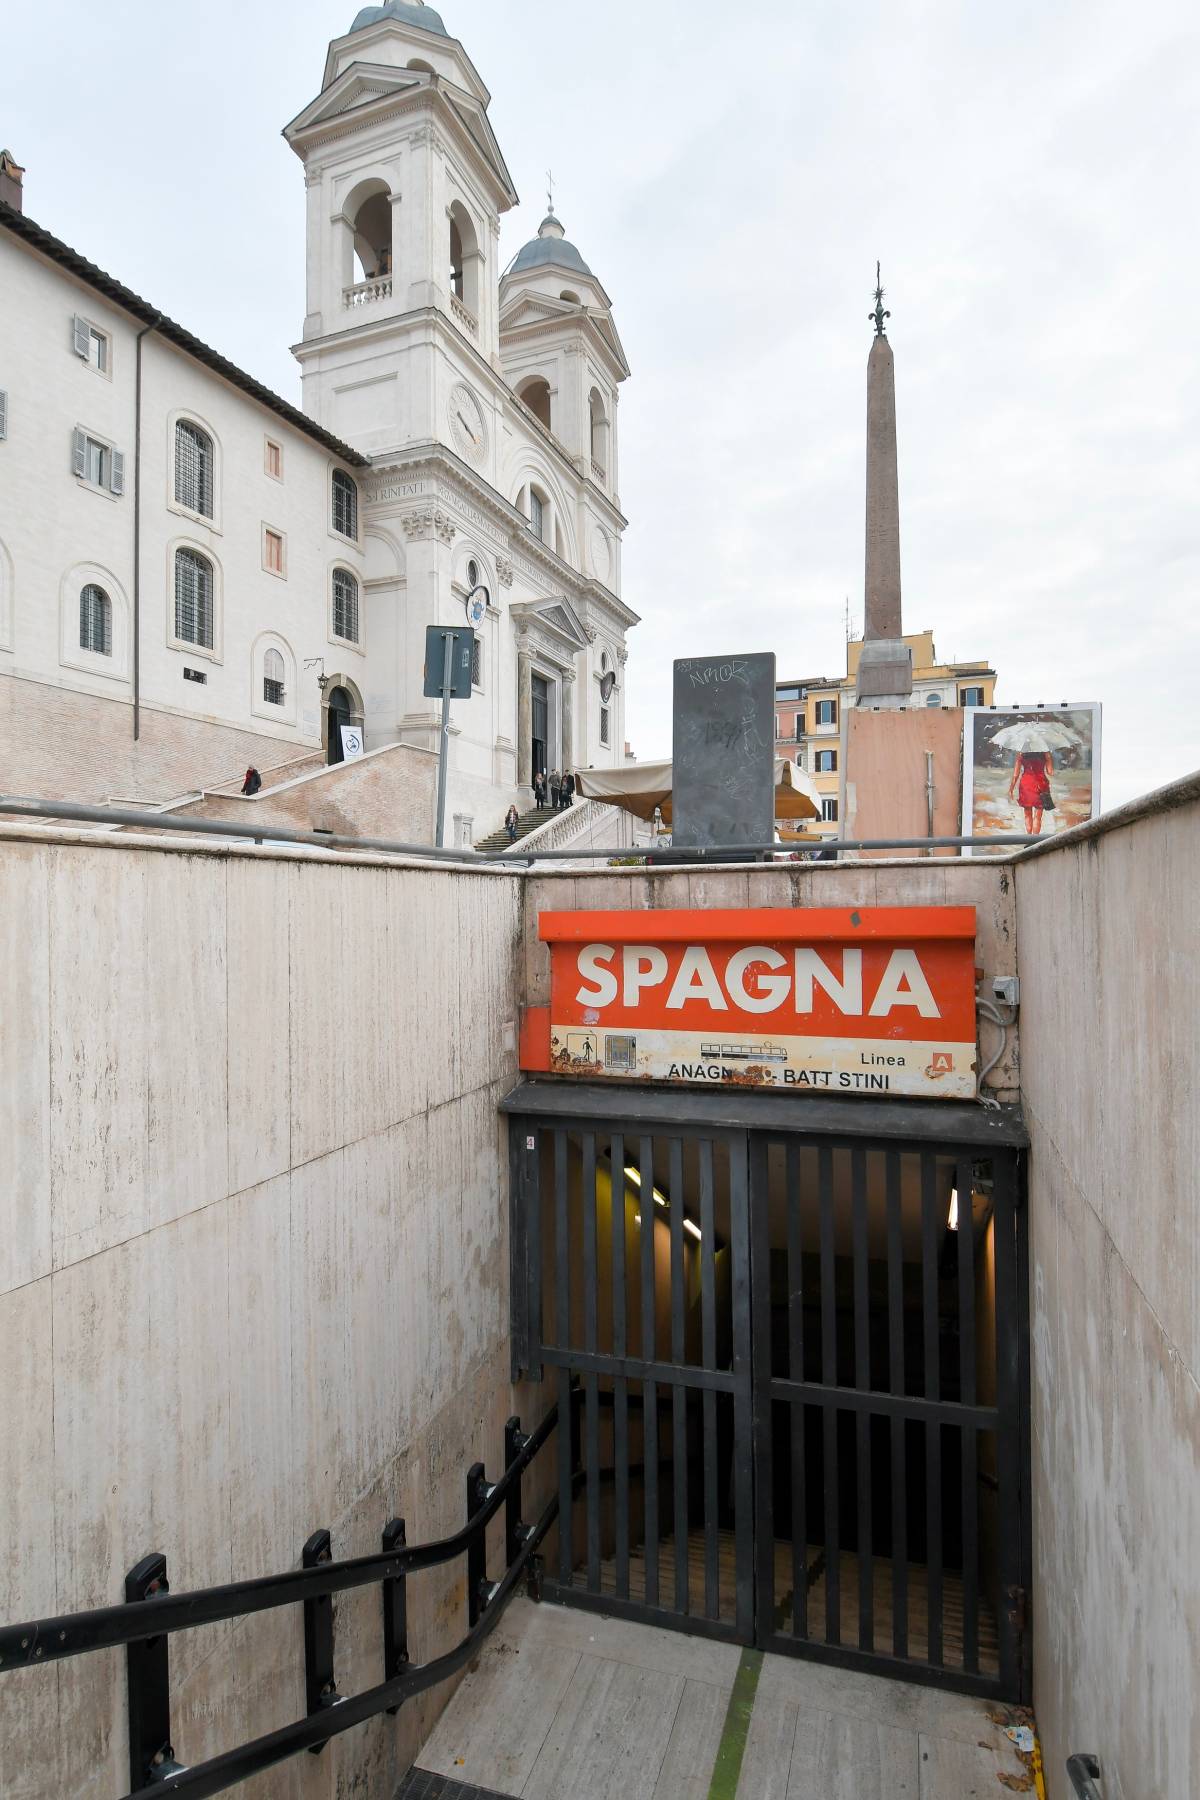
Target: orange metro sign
{"points": [[870, 1000]]}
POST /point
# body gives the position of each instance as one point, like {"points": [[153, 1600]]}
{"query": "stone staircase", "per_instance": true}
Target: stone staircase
{"points": [[529, 821]]}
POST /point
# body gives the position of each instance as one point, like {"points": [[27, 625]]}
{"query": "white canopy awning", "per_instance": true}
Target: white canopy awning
{"points": [[640, 787]]}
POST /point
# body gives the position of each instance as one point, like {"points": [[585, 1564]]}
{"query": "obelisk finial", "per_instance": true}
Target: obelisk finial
{"points": [[879, 315]]}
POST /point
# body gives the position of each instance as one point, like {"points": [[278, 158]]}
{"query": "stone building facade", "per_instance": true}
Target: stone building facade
{"points": [[195, 575]]}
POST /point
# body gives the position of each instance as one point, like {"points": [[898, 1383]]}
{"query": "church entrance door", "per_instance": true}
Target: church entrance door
{"points": [[340, 710], [540, 732]]}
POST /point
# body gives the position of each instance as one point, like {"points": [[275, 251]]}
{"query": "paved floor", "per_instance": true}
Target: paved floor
{"points": [[566, 1705]]}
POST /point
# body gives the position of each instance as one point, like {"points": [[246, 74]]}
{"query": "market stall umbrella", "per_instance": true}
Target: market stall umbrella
{"points": [[640, 788], [1037, 734]]}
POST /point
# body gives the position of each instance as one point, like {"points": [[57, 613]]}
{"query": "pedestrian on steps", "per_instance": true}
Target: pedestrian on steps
{"points": [[539, 789], [555, 789], [568, 789], [510, 823], [253, 782]]}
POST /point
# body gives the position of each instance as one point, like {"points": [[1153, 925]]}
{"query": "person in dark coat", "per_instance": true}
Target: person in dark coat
{"points": [[252, 782], [539, 789], [555, 789], [511, 818], [568, 789]]}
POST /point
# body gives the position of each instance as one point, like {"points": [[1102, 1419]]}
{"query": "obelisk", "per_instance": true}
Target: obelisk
{"points": [[885, 664]]}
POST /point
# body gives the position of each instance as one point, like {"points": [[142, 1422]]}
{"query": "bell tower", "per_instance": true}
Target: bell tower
{"points": [[405, 184]]}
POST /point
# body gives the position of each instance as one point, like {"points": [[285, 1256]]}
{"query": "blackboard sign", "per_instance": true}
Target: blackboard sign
{"points": [[723, 754]]}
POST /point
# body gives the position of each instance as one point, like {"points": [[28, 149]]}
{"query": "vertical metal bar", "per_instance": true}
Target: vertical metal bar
{"points": [[395, 1609], [747, 1393], [320, 1688], [829, 1417], [514, 1443], [650, 1388], [562, 1334], [679, 1393], [764, 1523], [796, 1411], [708, 1335], [1008, 1454], [1022, 1516], [862, 1380], [970, 1440], [518, 1245], [148, 1681], [534, 1247], [476, 1546], [933, 1230], [620, 1349], [895, 1257], [591, 1384]]}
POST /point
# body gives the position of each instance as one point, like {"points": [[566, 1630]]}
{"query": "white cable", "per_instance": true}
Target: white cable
{"points": [[997, 1016]]}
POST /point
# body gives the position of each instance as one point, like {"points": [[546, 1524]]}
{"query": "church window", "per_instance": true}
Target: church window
{"points": [[464, 259], [605, 725], [345, 606], [472, 574], [598, 419], [273, 678], [95, 620], [829, 810], [371, 234], [345, 505], [476, 661], [193, 468], [537, 515], [193, 598]]}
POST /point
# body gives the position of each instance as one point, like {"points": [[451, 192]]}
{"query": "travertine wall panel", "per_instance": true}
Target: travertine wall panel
{"points": [[1110, 1074], [265, 1090]]}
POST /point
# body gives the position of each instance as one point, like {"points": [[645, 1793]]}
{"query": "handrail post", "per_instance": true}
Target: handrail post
{"points": [[320, 1688], [395, 1609], [148, 1678], [477, 1547], [515, 1441], [1083, 1772]]}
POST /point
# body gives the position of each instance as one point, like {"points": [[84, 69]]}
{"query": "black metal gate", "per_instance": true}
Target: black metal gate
{"points": [[794, 1363]]}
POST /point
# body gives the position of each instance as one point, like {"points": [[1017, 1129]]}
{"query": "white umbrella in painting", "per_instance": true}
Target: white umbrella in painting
{"points": [[1037, 734]]}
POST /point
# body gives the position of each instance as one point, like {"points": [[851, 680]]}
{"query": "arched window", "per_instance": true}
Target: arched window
{"points": [[537, 514], [372, 233], [568, 295], [933, 700], [193, 468], [273, 678], [472, 574], [95, 620], [345, 606], [422, 68], [345, 505], [536, 394], [599, 429], [464, 259], [193, 598]]}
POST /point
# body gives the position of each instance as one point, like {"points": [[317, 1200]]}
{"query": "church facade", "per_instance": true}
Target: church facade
{"points": [[195, 575]]}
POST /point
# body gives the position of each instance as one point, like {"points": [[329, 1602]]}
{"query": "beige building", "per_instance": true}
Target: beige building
{"points": [[810, 713]]}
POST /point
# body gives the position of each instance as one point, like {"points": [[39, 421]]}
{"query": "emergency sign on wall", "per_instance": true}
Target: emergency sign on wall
{"points": [[871, 1000]]}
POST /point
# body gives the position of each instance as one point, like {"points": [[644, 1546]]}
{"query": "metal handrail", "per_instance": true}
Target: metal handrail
{"points": [[1083, 1772], [19, 806], [144, 1624]]}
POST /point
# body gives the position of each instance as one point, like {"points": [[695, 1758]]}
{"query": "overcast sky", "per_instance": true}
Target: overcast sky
{"points": [[1026, 174]]}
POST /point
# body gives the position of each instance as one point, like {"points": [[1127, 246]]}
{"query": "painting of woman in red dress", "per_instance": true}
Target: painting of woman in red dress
{"points": [[1031, 782]]}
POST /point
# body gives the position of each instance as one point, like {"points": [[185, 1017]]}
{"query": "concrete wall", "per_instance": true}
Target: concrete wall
{"points": [[1110, 982], [985, 885], [253, 1271]]}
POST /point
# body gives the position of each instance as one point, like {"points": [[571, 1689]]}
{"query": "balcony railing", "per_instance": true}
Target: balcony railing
{"points": [[466, 319], [365, 293]]}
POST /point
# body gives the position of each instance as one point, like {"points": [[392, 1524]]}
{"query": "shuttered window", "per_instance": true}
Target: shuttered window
{"points": [[273, 678], [3, 415], [345, 505], [95, 620], [193, 468], [345, 606], [193, 599]]}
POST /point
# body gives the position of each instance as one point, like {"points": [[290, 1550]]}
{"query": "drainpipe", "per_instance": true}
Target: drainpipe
{"points": [[137, 528], [929, 794]]}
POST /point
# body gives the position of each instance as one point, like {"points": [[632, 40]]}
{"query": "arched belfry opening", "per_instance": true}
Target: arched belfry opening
{"points": [[464, 258], [369, 216], [536, 394], [598, 418]]}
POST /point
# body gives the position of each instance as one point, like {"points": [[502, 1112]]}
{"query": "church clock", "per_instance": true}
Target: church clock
{"points": [[468, 427]]}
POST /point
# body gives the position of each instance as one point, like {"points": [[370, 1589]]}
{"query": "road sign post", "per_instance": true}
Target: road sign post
{"points": [[448, 655]]}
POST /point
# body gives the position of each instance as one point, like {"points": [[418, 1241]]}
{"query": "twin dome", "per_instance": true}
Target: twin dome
{"points": [[550, 246]]}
